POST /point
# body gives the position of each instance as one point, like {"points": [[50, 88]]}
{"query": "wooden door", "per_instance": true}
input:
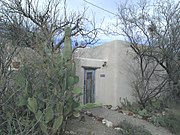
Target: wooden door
{"points": [[89, 86]]}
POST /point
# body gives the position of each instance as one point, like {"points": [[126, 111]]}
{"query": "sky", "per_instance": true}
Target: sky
{"points": [[103, 18], [100, 15]]}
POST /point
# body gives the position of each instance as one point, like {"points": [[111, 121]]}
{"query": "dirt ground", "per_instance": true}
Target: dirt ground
{"points": [[90, 126]]}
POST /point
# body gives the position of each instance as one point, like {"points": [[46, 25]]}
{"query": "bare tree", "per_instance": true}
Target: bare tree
{"points": [[149, 79], [153, 31], [6, 56], [47, 24]]}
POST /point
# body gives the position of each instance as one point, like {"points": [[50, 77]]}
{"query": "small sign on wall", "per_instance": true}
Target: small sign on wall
{"points": [[102, 75]]}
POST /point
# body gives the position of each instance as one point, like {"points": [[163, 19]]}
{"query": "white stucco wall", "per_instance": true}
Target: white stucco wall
{"points": [[124, 77], [116, 82]]}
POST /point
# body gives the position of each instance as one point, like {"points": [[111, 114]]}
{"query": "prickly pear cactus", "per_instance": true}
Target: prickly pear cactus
{"points": [[67, 45], [49, 97]]}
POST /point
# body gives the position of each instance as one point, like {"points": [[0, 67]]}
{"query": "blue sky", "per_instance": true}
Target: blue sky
{"points": [[100, 15]]}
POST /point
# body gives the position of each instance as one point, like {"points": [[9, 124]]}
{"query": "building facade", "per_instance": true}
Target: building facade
{"points": [[104, 73]]}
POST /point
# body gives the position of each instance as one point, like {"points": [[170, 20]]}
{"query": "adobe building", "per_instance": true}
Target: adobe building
{"points": [[104, 73]]}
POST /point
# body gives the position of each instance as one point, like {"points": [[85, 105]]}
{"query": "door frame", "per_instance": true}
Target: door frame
{"points": [[86, 70]]}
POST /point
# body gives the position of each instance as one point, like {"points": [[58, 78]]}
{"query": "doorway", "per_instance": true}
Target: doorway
{"points": [[89, 86]]}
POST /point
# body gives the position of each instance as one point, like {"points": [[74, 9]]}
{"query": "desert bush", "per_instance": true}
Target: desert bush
{"points": [[170, 121], [91, 105], [153, 112], [156, 105], [130, 106], [129, 129], [152, 106]]}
